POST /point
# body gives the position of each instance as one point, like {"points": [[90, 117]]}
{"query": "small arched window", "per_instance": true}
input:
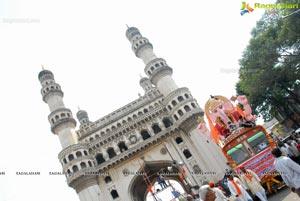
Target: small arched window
{"points": [[178, 140], [187, 153], [180, 98], [107, 179], [174, 103], [111, 152], [82, 165], [78, 154], [180, 112], [100, 159], [114, 194], [122, 146], [187, 108], [175, 117], [193, 105], [75, 168], [167, 122], [71, 157], [145, 135], [156, 128]]}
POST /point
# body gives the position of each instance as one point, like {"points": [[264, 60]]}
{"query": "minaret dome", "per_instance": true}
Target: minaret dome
{"points": [[82, 116]]}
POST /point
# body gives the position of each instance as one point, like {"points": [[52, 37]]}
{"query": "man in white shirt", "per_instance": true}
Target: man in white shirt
{"points": [[238, 189], [288, 169], [206, 193], [218, 192], [252, 182]]}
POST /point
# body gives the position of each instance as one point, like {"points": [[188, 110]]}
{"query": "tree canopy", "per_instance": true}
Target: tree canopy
{"points": [[270, 65]]}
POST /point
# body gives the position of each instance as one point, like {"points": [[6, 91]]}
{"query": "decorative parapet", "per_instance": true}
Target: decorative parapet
{"points": [[137, 149], [109, 135], [189, 120], [176, 93], [118, 114], [71, 148]]}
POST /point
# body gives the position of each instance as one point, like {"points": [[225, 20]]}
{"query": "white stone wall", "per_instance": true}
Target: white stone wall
{"points": [[210, 153], [166, 85], [91, 193], [55, 102], [147, 55], [66, 137]]}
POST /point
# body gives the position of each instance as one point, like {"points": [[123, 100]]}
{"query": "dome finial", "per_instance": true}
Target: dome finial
{"points": [[42, 67]]}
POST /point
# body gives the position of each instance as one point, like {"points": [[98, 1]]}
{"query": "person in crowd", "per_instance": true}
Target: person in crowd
{"points": [[288, 169], [293, 152], [283, 148], [252, 182], [206, 193], [238, 189], [162, 181], [218, 192]]}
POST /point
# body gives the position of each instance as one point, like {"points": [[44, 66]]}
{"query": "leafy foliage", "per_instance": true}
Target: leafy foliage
{"points": [[270, 66]]}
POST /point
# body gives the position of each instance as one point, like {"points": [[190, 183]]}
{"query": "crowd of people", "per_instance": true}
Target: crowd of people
{"points": [[245, 186]]}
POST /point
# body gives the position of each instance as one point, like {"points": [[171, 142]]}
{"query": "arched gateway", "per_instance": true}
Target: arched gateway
{"points": [[156, 131], [148, 175]]}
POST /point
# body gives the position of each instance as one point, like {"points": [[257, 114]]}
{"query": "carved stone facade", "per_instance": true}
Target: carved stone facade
{"points": [[156, 132]]}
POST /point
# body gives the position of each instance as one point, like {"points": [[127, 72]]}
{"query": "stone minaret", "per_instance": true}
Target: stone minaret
{"points": [[156, 68], [74, 157], [179, 102], [60, 118]]}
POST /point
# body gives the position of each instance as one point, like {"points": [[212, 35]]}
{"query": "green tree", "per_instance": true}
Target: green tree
{"points": [[270, 65]]}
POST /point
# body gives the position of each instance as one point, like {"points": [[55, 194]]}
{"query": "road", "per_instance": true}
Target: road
{"points": [[284, 194]]}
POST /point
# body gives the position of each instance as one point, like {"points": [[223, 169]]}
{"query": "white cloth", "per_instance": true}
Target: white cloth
{"points": [[219, 194], [253, 184], [284, 150], [244, 196], [289, 171], [262, 195]]}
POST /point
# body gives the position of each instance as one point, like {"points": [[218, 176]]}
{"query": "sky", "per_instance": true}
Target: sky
{"points": [[83, 43]]}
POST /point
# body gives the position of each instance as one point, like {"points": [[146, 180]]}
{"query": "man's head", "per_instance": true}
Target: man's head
{"points": [[206, 193], [211, 184], [230, 177], [276, 153], [242, 168]]}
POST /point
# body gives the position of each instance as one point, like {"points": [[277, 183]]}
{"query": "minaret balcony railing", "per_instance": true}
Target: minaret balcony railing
{"points": [[159, 73], [53, 88], [70, 149], [174, 95], [190, 119], [89, 171]]}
